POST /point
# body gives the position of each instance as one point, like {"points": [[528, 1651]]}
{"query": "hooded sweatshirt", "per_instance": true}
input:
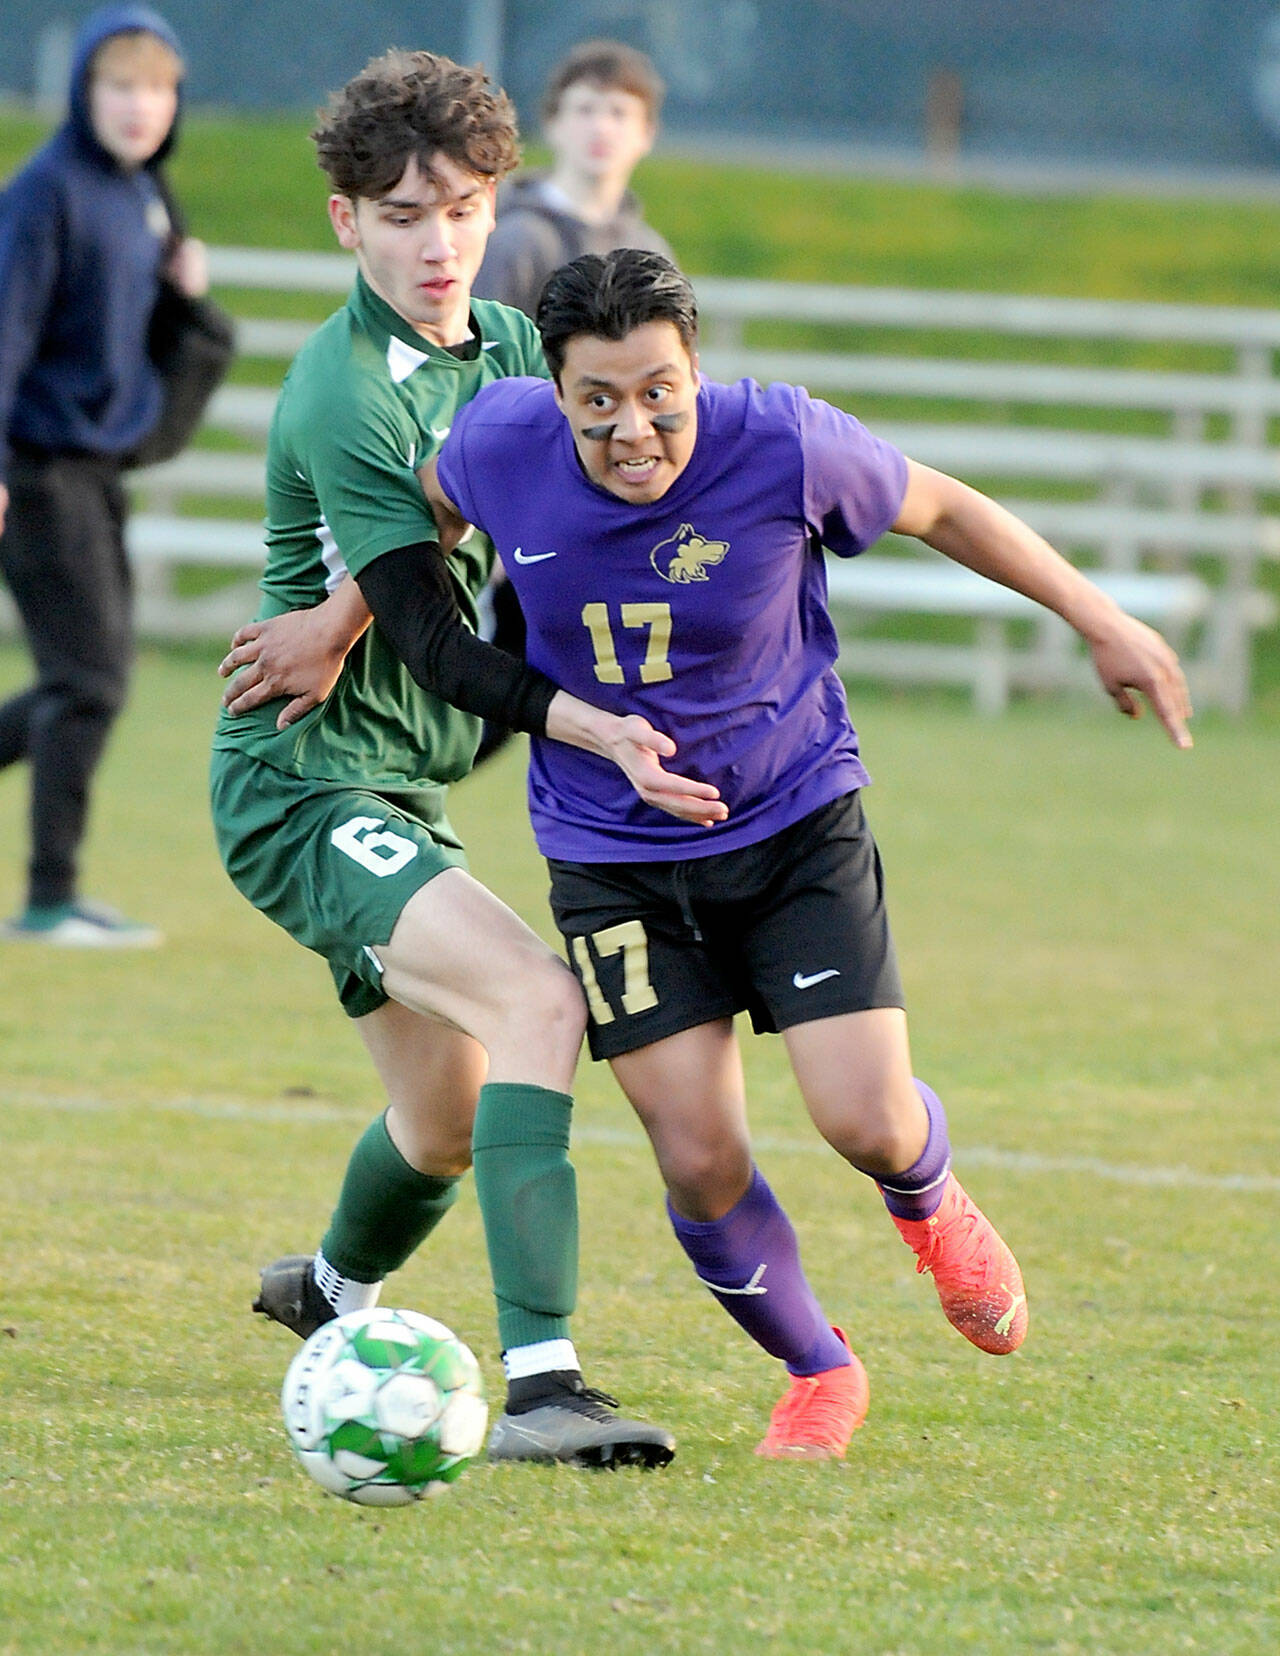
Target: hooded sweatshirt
{"points": [[538, 231], [82, 243]]}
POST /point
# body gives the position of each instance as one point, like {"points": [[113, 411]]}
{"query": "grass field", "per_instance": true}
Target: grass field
{"points": [[1087, 921], [1087, 924]]}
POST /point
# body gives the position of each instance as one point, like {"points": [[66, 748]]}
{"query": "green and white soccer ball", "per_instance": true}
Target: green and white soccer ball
{"points": [[384, 1407]]}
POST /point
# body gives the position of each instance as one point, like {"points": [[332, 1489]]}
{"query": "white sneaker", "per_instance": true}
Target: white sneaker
{"points": [[80, 925]]}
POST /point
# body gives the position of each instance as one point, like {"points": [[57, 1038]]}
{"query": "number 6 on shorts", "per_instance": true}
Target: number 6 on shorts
{"points": [[369, 841]]}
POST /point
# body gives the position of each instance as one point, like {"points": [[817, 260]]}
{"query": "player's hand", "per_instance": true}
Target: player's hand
{"points": [[292, 655], [638, 750], [1133, 662]]}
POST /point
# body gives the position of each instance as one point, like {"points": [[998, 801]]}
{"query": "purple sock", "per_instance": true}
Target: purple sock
{"points": [[916, 1193], [751, 1263]]}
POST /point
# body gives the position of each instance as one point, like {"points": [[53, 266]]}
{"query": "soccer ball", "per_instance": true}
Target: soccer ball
{"points": [[384, 1407]]}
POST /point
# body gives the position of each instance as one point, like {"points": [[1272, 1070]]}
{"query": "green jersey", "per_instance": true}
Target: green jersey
{"points": [[367, 402]]}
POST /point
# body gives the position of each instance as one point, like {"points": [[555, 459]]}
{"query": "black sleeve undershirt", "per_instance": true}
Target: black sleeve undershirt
{"points": [[411, 597]]}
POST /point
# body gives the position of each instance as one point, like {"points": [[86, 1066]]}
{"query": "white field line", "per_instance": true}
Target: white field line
{"points": [[301, 1111]]}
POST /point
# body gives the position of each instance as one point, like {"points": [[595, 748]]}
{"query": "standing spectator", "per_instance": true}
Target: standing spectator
{"points": [[600, 116], [86, 234]]}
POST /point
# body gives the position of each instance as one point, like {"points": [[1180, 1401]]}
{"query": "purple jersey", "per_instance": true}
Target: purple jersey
{"points": [[705, 611]]}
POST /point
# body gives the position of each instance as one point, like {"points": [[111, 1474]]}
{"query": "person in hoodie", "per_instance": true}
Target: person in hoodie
{"points": [[87, 230], [600, 117]]}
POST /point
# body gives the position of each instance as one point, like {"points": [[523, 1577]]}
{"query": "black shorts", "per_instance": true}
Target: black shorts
{"points": [[791, 929]]}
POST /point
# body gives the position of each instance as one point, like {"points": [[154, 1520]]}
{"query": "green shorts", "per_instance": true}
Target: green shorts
{"points": [[333, 865]]}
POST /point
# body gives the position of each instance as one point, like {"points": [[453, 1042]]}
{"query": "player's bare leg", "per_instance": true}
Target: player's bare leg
{"points": [[688, 1090], [402, 1177], [432, 1075], [403, 1174], [854, 1072], [690, 1096], [459, 954]]}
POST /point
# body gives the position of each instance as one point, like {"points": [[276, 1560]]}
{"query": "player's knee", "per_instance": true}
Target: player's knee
{"points": [[878, 1136], [553, 1009], [439, 1159], [445, 1153], [432, 1140], [704, 1179], [450, 1165]]}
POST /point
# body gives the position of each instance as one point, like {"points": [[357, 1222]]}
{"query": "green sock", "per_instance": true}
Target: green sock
{"points": [[529, 1202], [385, 1210]]}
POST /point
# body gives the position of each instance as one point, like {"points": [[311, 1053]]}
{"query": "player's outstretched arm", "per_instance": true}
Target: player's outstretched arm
{"points": [[1131, 659], [638, 750]]}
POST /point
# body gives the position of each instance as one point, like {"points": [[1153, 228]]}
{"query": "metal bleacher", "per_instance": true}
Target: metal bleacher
{"points": [[1180, 520]]}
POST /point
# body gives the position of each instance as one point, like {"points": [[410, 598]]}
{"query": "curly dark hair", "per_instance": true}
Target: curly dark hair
{"points": [[609, 295], [404, 106]]}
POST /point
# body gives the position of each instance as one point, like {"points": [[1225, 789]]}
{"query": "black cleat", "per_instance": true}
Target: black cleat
{"points": [[289, 1296], [574, 1424]]}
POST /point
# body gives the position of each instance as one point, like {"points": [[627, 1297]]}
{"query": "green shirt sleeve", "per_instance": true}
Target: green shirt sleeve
{"points": [[356, 463]]}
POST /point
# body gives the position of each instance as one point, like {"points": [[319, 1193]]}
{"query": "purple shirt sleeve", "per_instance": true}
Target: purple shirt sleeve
{"points": [[451, 467], [853, 481]]}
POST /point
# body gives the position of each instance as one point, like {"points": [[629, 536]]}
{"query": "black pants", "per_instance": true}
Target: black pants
{"points": [[63, 556]]}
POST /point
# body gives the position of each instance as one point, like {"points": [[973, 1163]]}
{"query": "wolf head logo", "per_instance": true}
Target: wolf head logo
{"points": [[686, 556]]}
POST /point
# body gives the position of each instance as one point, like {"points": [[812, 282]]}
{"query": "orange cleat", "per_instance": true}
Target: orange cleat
{"points": [[819, 1413], [976, 1275]]}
